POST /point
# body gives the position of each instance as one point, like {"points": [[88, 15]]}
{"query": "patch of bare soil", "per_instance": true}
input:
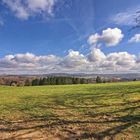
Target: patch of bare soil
{"points": [[98, 128]]}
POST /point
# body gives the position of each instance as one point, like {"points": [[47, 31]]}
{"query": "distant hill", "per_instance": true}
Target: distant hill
{"points": [[128, 76]]}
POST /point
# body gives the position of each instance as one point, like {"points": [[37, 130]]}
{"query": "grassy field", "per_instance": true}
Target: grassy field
{"points": [[75, 112]]}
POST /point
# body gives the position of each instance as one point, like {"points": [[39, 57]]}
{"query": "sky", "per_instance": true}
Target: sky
{"points": [[69, 36]]}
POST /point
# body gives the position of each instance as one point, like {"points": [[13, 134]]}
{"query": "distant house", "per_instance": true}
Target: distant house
{"points": [[13, 83]]}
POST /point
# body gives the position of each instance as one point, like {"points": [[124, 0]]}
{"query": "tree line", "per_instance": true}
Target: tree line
{"points": [[58, 81], [52, 80]]}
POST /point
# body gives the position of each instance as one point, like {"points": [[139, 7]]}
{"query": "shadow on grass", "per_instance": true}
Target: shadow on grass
{"points": [[37, 123]]}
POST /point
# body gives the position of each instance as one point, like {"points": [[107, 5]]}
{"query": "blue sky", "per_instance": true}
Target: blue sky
{"points": [[63, 27]]}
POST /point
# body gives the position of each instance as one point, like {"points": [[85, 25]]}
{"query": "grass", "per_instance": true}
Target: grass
{"points": [[94, 111]]}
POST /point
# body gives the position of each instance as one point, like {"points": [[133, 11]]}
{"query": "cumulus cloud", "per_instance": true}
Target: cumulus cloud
{"points": [[23, 9], [94, 62], [93, 39], [73, 60], [28, 63], [135, 39], [96, 55], [111, 37], [113, 62]]}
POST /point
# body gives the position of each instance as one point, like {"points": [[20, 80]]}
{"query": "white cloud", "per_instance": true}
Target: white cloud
{"points": [[73, 59], [122, 59], [38, 6], [96, 55], [94, 62], [135, 38], [93, 39], [113, 62], [28, 62], [111, 37], [23, 9]]}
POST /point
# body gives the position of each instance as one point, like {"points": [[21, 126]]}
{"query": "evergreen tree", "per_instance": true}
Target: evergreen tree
{"points": [[35, 82], [98, 79], [27, 82]]}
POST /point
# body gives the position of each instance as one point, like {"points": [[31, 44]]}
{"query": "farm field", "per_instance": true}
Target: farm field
{"points": [[71, 112]]}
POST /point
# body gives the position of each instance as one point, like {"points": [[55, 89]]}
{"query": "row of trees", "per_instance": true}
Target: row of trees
{"points": [[32, 81], [59, 81]]}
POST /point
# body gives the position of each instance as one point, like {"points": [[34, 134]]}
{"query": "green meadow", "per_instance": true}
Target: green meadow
{"points": [[108, 111]]}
